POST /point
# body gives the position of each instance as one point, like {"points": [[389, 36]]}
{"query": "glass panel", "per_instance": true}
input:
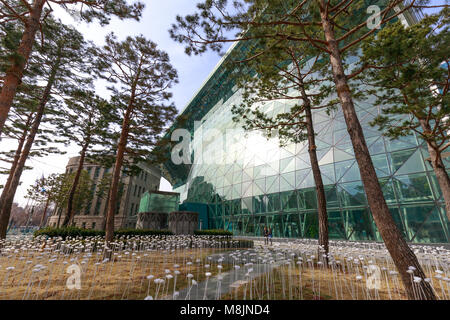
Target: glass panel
{"points": [[292, 226], [358, 225], [423, 223], [331, 196], [327, 173], [388, 190], [352, 194], [398, 158], [335, 225], [273, 202], [381, 165], [413, 187], [412, 165], [376, 145], [287, 181], [288, 200]]}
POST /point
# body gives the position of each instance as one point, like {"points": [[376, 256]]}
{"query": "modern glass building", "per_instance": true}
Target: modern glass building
{"points": [[246, 182]]}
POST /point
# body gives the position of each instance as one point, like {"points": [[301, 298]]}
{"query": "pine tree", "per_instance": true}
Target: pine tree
{"points": [[142, 74], [87, 124], [33, 16]]}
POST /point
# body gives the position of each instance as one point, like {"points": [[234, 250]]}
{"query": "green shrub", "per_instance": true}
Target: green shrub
{"points": [[142, 232], [213, 232], [79, 232]]}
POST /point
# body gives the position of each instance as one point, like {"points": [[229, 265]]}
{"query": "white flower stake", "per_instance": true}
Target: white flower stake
{"points": [[207, 274]]}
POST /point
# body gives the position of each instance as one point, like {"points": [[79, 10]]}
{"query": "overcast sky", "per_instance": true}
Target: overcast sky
{"points": [[154, 25]]}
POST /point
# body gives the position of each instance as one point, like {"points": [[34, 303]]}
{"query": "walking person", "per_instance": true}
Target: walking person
{"points": [[266, 235], [270, 236]]}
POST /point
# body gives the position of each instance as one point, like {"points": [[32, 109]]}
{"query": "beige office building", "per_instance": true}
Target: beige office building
{"points": [[92, 216]]}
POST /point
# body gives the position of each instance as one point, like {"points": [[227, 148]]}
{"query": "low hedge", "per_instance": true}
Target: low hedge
{"points": [[213, 232], [79, 232]]}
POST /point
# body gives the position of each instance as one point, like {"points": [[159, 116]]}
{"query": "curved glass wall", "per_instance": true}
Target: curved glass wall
{"points": [[250, 182]]}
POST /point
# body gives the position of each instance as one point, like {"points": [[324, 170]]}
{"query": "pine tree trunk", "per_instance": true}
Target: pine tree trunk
{"points": [[14, 73], [10, 193], [402, 255], [439, 169], [320, 191], [109, 227], [70, 213]]}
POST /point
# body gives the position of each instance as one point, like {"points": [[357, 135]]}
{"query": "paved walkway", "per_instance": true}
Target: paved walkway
{"points": [[230, 280]]}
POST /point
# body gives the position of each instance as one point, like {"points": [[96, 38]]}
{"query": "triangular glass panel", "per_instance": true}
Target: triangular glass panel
{"points": [[320, 144], [412, 165], [308, 181], [257, 190], [300, 147], [287, 165], [302, 161], [300, 175], [287, 181], [381, 165], [274, 186], [398, 158], [272, 168], [245, 189], [375, 144], [342, 167], [327, 158], [327, 173], [352, 174], [261, 183], [340, 155]]}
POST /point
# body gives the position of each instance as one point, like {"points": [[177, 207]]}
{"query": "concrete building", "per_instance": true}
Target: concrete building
{"points": [[92, 216]]}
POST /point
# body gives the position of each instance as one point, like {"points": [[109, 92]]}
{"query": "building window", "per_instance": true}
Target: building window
{"points": [[83, 225], [93, 225], [96, 173], [135, 188], [97, 207], [131, 210], [145, 176]]}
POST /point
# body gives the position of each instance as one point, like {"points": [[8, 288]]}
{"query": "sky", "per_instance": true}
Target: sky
{"points": [[154, 25]]}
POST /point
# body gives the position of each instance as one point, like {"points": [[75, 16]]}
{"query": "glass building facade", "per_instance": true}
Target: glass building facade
{"points": [[159, 201], [247, 181]]}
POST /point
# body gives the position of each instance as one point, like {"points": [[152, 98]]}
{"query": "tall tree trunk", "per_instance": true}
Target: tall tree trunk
{"points": [[109, 227], [439, 168], [45, 212], [402, 255], [105, 212], [14, 73], [320, 191], [10, 193], [70, 213]]}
